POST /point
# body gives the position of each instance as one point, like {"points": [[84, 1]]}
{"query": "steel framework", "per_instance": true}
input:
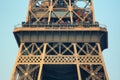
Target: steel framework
{"points": [[60, 40]]}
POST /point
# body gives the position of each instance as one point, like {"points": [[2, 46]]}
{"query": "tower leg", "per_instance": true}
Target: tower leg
{"points": [[92, 66], [40, 71], [42, 61], [77, 63], [103, 63], [14, 73], [78, 71]]}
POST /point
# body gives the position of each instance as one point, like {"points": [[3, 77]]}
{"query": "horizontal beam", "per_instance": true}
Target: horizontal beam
{"points": [[59, 29], [98, 35], [62, 59]]}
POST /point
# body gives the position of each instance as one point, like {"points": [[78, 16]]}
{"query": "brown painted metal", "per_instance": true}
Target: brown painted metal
{"points": [[60, 40]]}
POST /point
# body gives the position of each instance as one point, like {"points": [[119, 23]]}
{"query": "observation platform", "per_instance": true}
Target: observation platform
{"points": [[62, 33]]}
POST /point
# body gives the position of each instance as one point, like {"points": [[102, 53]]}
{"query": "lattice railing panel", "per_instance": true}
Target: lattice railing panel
{"points": [[59, 59], [29, 59], [62, 59], [89, 59]]}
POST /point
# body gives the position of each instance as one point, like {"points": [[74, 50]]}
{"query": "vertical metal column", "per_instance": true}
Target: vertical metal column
{"points": [[13, 76], [63, 36], [42, 61], [103, 63], [77, 63]]}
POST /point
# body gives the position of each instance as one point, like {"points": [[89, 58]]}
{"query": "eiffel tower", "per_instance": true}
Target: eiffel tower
{"points": [[60, 40]]}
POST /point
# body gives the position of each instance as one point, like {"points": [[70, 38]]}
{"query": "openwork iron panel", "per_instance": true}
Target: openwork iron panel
{"points": [[55, 59], [60, 40]]}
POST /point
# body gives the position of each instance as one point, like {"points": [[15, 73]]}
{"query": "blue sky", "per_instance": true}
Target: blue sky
{"points": [[13, 12]]}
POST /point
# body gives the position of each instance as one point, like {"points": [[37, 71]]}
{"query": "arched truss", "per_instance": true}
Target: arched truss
{"points": [[60, 11]]}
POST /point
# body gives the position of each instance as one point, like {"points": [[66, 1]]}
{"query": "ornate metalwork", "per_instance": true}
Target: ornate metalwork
{"points": [[60, 11], [60, 40]]}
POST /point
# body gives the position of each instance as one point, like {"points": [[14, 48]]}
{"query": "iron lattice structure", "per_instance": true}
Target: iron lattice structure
{"points": [[60, 40]]}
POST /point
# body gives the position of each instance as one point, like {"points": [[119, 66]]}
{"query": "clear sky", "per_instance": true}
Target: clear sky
{"points": [[13, 12]]}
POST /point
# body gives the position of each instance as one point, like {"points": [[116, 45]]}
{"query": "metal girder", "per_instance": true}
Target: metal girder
{"points": [[62, 35], [60, 40], [86, 56], [40, 11]]}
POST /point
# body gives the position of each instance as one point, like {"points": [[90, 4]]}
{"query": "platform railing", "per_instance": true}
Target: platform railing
{"points": [[84, 25]]}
